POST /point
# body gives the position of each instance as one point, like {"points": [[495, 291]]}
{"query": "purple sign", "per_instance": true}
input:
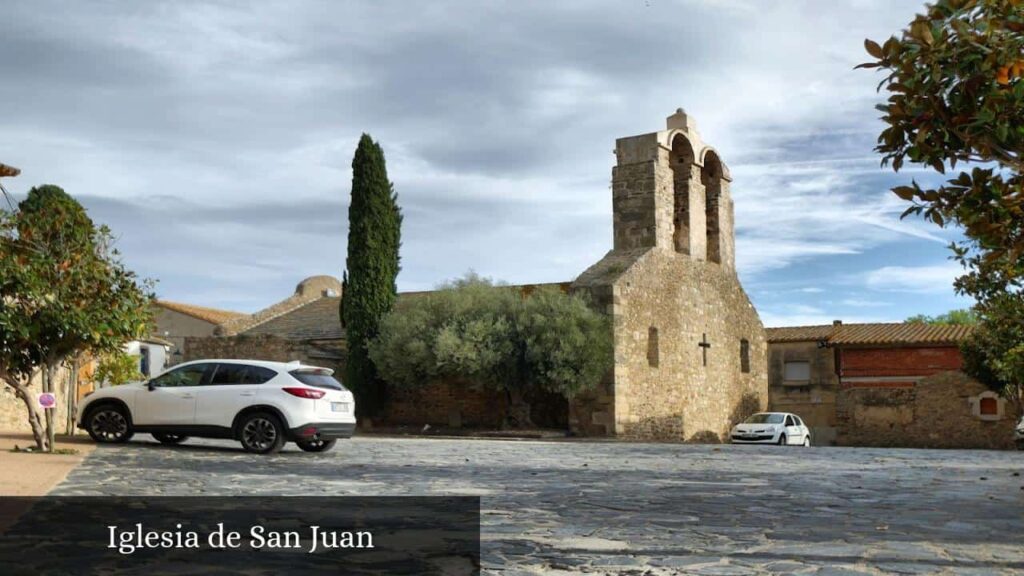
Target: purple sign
{"points": [[47, 400]]}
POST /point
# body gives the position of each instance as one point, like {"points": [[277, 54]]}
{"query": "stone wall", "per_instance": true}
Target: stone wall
{"points": [[932, 412], [329, 354], [813, 400], [663, 305], [13, 414]]}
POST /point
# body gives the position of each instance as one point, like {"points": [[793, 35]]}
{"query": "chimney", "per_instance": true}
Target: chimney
{"points": [[837, 322]]}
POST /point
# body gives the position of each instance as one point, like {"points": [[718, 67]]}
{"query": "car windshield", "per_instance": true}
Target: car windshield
{"points": [[764, 419], [318, 378]]}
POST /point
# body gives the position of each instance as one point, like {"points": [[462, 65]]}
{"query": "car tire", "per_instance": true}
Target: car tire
{"points": [[316, 445], [1020, 444], [261, 433], [782, 440], [165, 438], [109, 424], [807, 441]]}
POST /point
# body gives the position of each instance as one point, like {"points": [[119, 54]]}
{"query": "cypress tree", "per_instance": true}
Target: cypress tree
{"points": [[374, 237]]}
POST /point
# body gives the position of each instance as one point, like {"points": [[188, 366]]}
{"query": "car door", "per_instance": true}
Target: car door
{"points": [[170, 399], [794, 432], [231, 388]]}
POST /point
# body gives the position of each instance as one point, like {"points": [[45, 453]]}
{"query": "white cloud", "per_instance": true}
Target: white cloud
{"points": [[933, 279]]}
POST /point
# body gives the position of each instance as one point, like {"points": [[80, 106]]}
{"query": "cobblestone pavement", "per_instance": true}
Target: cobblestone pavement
{"points": [[623, 508]]}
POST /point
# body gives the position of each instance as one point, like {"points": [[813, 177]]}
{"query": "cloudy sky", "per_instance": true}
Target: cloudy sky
{"points": [[216, 138]]}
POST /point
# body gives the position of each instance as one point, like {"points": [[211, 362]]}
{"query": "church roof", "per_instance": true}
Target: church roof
{"points": [[315, 320], [211, 315], [875, 333]]}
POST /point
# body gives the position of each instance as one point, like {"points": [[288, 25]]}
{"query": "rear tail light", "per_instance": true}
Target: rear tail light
{"points": [[305, 393]]}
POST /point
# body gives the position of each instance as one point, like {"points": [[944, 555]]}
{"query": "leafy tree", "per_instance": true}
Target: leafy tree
{"points": [[495, 336], [956, 78], [116, 368], [994, 352], [374, 238], [961, 316], [63, 292]]}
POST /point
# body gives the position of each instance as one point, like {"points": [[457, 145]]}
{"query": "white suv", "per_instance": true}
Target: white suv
{"points": [[260, 404]]}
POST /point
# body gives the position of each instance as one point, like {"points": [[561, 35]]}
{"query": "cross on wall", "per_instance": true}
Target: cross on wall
{"points": [[704, 345]]}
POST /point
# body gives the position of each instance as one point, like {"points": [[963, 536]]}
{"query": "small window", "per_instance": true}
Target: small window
{"points": [[797, 372], [258, 375], [789, 421], [745, 356], [652, 347], [988, 406]]}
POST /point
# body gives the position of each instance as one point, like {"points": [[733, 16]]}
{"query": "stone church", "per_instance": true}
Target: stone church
{"points": [[690, 350], [690, 357]]}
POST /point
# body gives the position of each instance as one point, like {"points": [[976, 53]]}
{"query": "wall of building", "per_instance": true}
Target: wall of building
{"points": [[663, 304], [13, 414], [175, 327], [931, 412], [813, 400]]}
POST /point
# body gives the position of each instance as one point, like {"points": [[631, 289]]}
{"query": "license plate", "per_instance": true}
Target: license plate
{"points": [[339, 406]]}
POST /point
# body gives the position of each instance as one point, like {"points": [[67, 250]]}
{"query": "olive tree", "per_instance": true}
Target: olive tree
{"points": [[494, 335]]}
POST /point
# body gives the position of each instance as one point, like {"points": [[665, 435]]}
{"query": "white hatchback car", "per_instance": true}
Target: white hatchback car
{"points": [[772, 428], [260, 404]]}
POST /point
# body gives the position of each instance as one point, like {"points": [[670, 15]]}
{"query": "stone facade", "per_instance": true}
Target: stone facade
{"points": [[931, 412], [690, 348], [814, 399], [13, 414], [880, 391]]}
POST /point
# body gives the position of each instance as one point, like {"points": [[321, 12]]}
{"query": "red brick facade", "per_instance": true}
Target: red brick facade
{"points": [[904, 361]]}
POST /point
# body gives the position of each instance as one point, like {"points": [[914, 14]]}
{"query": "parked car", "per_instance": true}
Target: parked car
{"points": [[260, 404], [772, 428], [1018, 434]]}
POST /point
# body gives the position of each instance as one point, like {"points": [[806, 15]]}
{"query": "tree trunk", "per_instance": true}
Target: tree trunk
{"points": [[71, 389], [48, 373], [517, 410], [35, 420]]}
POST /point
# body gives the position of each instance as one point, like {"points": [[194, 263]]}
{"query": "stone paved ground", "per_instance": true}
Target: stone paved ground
{"points": [[622, 508]]}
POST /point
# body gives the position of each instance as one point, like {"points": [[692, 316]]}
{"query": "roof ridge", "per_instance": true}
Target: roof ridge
{"points": [[246, 323]]}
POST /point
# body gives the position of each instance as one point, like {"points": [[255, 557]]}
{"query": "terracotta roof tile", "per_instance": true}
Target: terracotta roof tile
{"points": [[880, 333], [900, 333], [211, 315], [315, 320], [799, 333]]}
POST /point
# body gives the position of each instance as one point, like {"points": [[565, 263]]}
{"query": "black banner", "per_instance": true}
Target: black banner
{"points": [[158, 536]]}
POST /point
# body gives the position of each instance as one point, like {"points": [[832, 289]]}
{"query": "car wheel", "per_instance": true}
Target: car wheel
{"points": [[261, 433], [316, 445], [782, 440], [807, 441], [1020, 444], [109, 424], [169, 438]]}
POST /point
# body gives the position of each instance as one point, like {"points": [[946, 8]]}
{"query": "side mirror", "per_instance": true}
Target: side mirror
{"points": [[150, 386]]}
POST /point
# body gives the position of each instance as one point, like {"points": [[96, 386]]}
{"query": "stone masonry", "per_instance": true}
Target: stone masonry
{"points": [[690, 349]]}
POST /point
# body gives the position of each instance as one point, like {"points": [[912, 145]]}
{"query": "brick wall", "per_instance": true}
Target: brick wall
{"points": [[907, 361]]}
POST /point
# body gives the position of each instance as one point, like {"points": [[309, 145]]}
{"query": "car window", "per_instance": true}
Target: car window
{"points": [[258, 375], [789, 421], [191, 375], [764, 419], [317, 378], [228, 374], [799, 422]]}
